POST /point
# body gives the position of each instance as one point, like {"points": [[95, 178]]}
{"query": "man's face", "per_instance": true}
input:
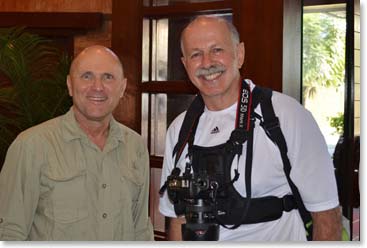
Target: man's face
{"points": [[211, 58], [96, 84]]}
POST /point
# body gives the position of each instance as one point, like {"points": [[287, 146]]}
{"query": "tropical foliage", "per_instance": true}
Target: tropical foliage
{"points": [[323, 52], [32, 83], [337, 122]]}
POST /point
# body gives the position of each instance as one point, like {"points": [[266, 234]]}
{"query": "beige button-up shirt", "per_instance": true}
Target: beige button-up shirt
{"points": [[57, 185]]}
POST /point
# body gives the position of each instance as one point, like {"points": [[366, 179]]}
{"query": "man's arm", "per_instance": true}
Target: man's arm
{"points": [[143, 225], [174, 228], [19, 190], [327, 225]]}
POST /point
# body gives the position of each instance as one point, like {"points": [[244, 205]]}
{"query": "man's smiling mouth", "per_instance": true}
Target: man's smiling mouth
{"points": [[213, 76], [97, 98]]}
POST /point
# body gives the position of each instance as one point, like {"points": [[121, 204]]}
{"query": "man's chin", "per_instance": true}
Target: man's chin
{"points": [[97, 116], [211, 93]]}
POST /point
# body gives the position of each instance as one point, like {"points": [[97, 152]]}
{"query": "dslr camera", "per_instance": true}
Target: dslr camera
{"points": [[194, 195]]}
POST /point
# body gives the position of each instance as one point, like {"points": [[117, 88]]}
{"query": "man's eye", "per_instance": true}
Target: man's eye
{"points": [[217, 50], [87, 76], [195, 55], [108, 76]]}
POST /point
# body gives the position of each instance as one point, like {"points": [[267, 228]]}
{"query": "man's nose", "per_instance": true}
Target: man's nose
{"points": [[207, 60], [98, 84]]}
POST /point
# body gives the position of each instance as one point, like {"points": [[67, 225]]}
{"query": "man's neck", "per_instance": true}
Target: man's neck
{"points": [[225, 100], [218, 103], [97, 131]]}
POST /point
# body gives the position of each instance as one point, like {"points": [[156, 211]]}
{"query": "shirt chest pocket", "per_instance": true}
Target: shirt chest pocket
{"points": [[131, 185], [66, 198]]}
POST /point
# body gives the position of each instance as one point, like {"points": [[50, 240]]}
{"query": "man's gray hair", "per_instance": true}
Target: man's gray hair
{"points": [[232, 29]]}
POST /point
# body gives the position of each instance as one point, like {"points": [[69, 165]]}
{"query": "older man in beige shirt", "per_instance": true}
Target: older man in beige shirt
{"points": [[83, 175]]}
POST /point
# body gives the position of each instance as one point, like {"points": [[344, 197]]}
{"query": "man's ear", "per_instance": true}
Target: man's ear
{"points": [[123, 87], [183, 60], [240, 54], [68, 83]]}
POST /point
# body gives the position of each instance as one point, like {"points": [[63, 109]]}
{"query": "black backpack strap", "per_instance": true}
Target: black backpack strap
{"points": [[271, 126], [193, 113]]}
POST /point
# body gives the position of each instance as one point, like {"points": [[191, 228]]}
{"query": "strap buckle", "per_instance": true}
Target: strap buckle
{"points": [[271, 124], [238, 136], [289, 203]]}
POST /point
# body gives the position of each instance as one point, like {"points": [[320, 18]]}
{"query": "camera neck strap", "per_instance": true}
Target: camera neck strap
{"points": [[244, 124], [244, 131], [243, 116]]}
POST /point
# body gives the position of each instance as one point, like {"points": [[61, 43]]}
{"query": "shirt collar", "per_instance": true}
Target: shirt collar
{"points": [[72, 130]]}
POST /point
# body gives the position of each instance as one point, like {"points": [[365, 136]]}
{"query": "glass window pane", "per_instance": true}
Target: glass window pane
{"points": [[158, 124], [153, 56], [166, 52], [160, 50], [164, 109], [144, 116], [324, 31], [145, 52]]}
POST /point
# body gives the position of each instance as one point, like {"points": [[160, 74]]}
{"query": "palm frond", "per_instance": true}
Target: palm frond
{"points": [[37, 91]]}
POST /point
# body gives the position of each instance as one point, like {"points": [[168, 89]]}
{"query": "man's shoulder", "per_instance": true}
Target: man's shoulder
{"points": [[125, 129], [177, 122], [38, 137], [128, 134], [288, 105], [175, 126], [281, 98], [41, 129]]}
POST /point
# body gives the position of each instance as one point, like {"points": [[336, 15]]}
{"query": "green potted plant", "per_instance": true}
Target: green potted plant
{"points": [[32, 83]]}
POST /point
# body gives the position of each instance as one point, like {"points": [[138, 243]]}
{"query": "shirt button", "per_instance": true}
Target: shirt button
{"points": [[104, 185], [104, 216]]}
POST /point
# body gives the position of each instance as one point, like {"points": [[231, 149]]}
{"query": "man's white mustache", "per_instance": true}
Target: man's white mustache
{"points": [[211, 70]]}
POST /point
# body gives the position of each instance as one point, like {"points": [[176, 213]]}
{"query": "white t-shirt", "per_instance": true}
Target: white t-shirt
{"points": [[312, 168]]}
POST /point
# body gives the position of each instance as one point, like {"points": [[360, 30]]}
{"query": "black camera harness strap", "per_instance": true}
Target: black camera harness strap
{"points": [[270, 123], [245, 121], [242, 132]]}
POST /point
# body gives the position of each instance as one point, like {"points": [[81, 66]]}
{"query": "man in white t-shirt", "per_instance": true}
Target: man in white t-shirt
{"points": [[212, 56]]}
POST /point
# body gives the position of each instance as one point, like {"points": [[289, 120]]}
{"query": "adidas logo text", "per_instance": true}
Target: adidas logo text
{"points": [[215, 130]]}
